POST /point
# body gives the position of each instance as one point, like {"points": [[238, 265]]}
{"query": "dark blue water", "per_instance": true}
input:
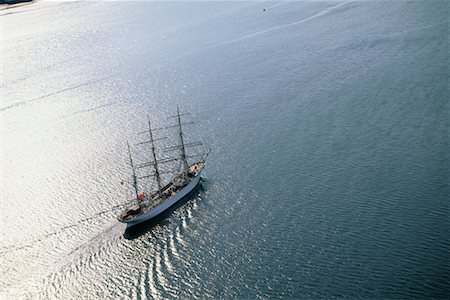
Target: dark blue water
{"points": [[329, 124]]}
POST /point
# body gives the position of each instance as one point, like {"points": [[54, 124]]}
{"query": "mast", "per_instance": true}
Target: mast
{"points": [[155, 161], [182, 145], [134, 172], [183, 151]]}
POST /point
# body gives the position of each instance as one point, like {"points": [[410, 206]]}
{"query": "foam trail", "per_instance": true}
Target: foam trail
{"points": [[261, 32]]}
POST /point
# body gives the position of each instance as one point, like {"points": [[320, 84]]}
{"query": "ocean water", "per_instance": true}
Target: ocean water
{"points": [[329, 128]]}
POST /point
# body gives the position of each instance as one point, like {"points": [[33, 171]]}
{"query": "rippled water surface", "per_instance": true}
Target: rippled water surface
{"points": [[329, 124]]}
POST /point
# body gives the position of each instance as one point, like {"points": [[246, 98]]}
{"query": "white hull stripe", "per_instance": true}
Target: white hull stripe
{"points": [[157, 210]]}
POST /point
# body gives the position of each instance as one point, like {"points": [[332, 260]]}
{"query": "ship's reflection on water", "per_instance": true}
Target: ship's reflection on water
{"points": [[188, 203]]}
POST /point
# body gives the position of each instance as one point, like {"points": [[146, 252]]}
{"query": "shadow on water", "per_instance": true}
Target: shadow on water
{"points": [[142, 228]]}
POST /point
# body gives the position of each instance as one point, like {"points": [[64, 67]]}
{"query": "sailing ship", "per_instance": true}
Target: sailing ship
{"points": [[148, 206]]}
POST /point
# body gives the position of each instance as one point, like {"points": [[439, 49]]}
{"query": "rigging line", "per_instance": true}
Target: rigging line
{"points": [[6, 250]]}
